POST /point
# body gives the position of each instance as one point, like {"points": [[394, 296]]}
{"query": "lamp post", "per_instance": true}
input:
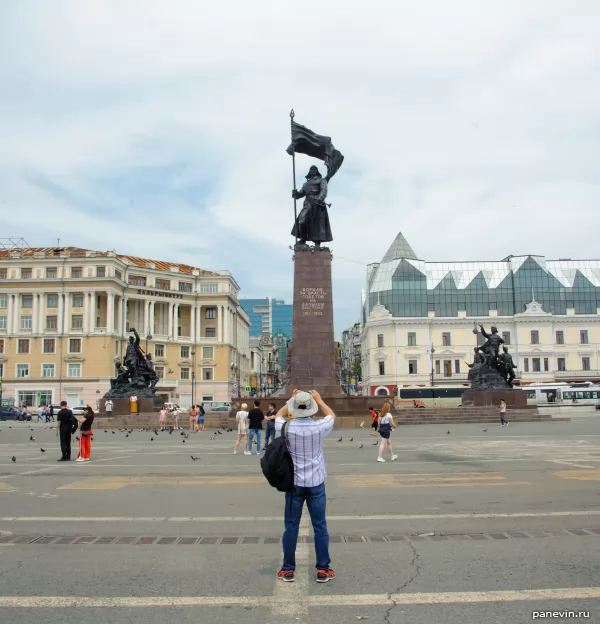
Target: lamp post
{"points": [[193, 377], [432, 351]]}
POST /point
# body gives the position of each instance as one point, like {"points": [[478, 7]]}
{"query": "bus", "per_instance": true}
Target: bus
{"points": [[436, 396], [561, 392]]}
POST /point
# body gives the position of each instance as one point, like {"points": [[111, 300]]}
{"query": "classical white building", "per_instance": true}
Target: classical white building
{"points": [[419, 318]]}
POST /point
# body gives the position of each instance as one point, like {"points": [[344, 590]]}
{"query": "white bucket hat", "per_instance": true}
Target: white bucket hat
{"points": [[302, 405]]}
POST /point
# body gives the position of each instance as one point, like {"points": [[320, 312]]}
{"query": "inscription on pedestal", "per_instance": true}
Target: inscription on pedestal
{"points": [[313, 303]]}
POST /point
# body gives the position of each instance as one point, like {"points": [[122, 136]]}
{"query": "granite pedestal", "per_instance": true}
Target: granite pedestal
{"points": [[485, 398]]}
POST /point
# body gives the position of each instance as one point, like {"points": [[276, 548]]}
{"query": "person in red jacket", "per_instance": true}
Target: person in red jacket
{"points": [[375, 419], [85, 435]]}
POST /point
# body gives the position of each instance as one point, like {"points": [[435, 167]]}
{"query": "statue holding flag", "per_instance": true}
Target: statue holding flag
{"points": [[312, 224]]}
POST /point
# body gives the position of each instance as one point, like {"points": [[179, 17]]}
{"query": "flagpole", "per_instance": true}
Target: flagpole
{"points": [[292, 115]]}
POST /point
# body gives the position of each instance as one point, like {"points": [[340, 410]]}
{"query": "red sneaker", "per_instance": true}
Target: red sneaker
{"points": [[324, 576], [286, 575]]}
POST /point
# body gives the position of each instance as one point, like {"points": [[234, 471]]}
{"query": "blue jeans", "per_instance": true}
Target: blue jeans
{"points": [[316, 501], [269, 434], [252, 433]]}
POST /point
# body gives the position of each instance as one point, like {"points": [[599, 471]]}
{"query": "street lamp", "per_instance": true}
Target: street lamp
{"points": [[193, 376], [432, 351]]}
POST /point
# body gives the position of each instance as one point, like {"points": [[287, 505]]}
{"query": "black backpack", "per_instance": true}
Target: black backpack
{"points": [[277, 464]]}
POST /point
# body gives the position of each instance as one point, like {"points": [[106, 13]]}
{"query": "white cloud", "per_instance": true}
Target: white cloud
{"points": [[453, 117]]}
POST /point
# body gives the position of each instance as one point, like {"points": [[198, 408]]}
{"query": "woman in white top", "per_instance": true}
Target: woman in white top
{"points": [[386, 422], [242, 421]]}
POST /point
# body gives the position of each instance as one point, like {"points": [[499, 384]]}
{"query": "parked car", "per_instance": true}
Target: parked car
{"points": [[78, 410], [8, 412]]}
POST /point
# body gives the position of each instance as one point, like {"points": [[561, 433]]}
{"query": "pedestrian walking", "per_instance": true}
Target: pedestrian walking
{"points": [[162, 418], [85, 434], [374, 421], [133, 404], [40, 414], [242, 423], [386, 423], [201, 415], [175, 417], [305, 441], [503, 420], [270, 417], [193, 417], [255, 418], [108, 408], [66, 425]]}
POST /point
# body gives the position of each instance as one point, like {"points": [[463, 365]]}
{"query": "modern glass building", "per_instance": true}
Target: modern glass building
{"points": [[268, 316], [409, 287]]}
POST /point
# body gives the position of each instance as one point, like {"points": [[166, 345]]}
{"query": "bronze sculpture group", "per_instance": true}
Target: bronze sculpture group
{"points": [[493, 366], [135, 374]]}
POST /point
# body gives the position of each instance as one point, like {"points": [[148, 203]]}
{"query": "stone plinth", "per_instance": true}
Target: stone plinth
{"points": [[482, 398], [121, 406], [314, 354]]}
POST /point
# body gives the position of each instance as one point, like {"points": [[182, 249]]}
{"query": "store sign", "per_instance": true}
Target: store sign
{"points": [[159, 293]]}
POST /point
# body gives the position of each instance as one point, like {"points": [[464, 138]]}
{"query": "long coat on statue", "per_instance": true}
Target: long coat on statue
{"points": [[313, 220]]}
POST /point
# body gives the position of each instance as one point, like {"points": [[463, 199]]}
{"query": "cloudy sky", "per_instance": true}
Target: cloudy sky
{"points": [[158, 129]]}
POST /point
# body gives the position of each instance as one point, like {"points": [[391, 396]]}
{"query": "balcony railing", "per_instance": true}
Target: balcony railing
{"points": [[576, 373]]}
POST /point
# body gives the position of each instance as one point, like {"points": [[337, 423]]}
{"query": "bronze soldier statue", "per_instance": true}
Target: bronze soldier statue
{"points": [[508, 366], [313, 220], [478, 362], [491, 348]]}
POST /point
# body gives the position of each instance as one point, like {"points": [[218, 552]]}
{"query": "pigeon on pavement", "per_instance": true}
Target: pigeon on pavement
{"points": [[151, 439], [448, 432], [43, 450], [484, 430], [194, 458], [14, 458], [360, 446], [351, 439], [31, 439], [340, 440]]}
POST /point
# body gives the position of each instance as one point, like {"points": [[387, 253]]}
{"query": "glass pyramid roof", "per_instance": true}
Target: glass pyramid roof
{"points": [[399, 249]]}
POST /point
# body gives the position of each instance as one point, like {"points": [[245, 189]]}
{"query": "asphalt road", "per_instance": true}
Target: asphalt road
{"points": [[471, 526]]}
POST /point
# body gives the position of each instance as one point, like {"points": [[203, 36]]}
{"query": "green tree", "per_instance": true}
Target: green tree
{"points": [[357, 368]]}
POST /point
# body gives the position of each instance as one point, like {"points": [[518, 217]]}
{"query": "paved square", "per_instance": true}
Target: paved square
{"points": [[467, 527]]}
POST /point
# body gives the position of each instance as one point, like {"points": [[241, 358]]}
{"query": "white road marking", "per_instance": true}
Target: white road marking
{"points": [[290, 598], [314, 600], [382, 517], [569, 463]]}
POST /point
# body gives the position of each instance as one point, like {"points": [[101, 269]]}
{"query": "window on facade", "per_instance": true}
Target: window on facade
{"points": [[412, 367], [446, 339], [535, 337], [159, 350], [412, 339], [583, 338], [210, 332], [184, 352], [457, 366], [207, 374], [438, 367], [118, 274], [560, 337], [76, 272], [506, 337], [585, 364], [209, 288], [163, 284], [26, 301], [73, 370], [77, 321], [1, 345], [160, 371], [49, 345], [380, 340], [211, 313], [535, 365], [447, 368], [22, 370], [26, 273], [26, 322], [207, 397], [52, 301], [23, 345], [184, 373], [3, 273], [1, 370], [561, 364], [526, 365], [51, 322], [47, 370], [208, 353], [137, 280], [78, 300], [3, 301], [74, 345], [546, 365], [51, 273], [381, 368], [185, 286], [100, 271], [2, 322]]}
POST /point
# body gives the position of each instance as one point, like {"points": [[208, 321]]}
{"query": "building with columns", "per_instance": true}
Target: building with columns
{"points": [[420, 319], [66, 315]]}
